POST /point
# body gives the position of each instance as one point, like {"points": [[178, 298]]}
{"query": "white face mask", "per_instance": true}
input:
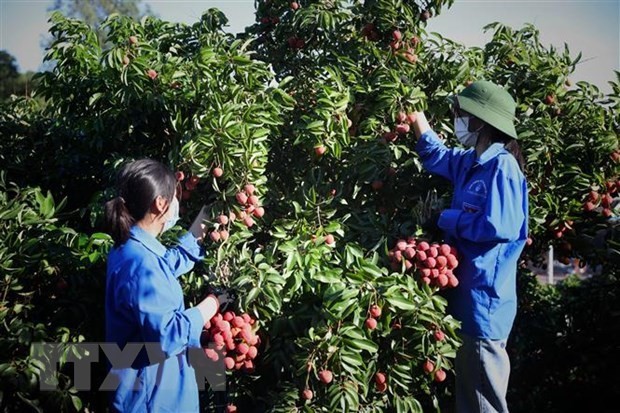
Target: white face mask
{"points": [[173, 215], [461, 130]]}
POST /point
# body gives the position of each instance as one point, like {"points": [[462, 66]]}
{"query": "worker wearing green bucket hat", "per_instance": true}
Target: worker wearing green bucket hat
{"points": [[490, 103], [487, 224]]}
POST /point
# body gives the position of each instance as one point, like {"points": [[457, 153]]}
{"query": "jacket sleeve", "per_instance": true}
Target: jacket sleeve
{"points": [[436, 157], [502, 218], [157, 308], [182, 257]]}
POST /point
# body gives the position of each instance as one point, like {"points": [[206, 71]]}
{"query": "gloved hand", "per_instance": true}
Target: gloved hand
{"points": [[208, 307], [431, 223], [198, 227], [431, 227], [224, 295]]}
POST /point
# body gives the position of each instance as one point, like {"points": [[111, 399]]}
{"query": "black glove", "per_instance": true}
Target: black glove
{"points": [[225, 296], [431, 227], [431, 223]]}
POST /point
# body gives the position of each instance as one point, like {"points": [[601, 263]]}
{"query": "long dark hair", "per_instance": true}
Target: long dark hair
{"points": [[138, 183], [510, 144]]}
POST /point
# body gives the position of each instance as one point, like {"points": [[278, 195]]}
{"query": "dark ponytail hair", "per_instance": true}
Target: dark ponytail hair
{"points": [[138, 184], [510, 144], [117, 220], [513, 147]]}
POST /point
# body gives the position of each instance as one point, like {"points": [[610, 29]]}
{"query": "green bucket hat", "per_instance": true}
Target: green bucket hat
{"points": [[490, 103]]}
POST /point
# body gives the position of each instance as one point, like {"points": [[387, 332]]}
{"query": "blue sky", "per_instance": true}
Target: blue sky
{"points": [[589, 26]]}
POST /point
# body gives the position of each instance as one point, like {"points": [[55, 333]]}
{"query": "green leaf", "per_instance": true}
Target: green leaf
{"points": [[77, 403], [362, 344], [94, 98], [399, 301], [352, 359]]}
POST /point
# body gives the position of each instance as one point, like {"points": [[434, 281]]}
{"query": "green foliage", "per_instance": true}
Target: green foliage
{"points": [[207, 103], [8, 66], [563, 348], [313, 299], [19, 121], [51, 284], [11, 81], [93, 13], [8, 74]]}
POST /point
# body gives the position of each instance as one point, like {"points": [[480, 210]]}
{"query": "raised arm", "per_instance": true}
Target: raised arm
{"points": [[182, 257], [436, 157]]}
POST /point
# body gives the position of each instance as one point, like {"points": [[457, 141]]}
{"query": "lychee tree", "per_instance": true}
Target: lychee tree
{"points": [[356, 71]]}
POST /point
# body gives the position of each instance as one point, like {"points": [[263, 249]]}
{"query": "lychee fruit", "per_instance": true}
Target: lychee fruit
{"points": [[326, 376]]}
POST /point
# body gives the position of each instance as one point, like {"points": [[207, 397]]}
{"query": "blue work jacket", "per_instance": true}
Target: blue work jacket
{"points": [[487, 224], [144, 304]]}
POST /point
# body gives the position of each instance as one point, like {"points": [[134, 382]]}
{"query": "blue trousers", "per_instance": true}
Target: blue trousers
{"points": [[482, 369]]}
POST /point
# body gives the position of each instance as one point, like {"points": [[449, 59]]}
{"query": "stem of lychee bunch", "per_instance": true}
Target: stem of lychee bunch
{"points": [[318, 214], [309, 363], [374, 298], [219, 267], [382, 65], [330, 354], [373, 289], [6, 291]]}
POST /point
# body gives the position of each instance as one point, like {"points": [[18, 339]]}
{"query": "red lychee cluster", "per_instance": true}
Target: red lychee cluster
{"points": [[400, 46], [268, 23], [438, 334], [425, 15], [434, 263], [234, 338], [562, 228], [370, 32], [328, 239], [429, 368], [549, 99], [597, 201], [373, 313], [250, 205], [381, 382], [220, 233], [296, 43], [404, 121], [189, 184], [247, 199]]}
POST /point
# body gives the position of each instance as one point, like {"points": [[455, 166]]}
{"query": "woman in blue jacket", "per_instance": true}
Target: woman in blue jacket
{"points": [[487, 223], [144, 301]]}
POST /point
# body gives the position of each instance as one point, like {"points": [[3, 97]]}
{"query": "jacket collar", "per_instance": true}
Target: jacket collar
{"points": [[491, 152], [146, 239]]}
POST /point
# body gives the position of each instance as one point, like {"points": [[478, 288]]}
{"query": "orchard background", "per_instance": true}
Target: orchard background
{"points": [[296, 135]]}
